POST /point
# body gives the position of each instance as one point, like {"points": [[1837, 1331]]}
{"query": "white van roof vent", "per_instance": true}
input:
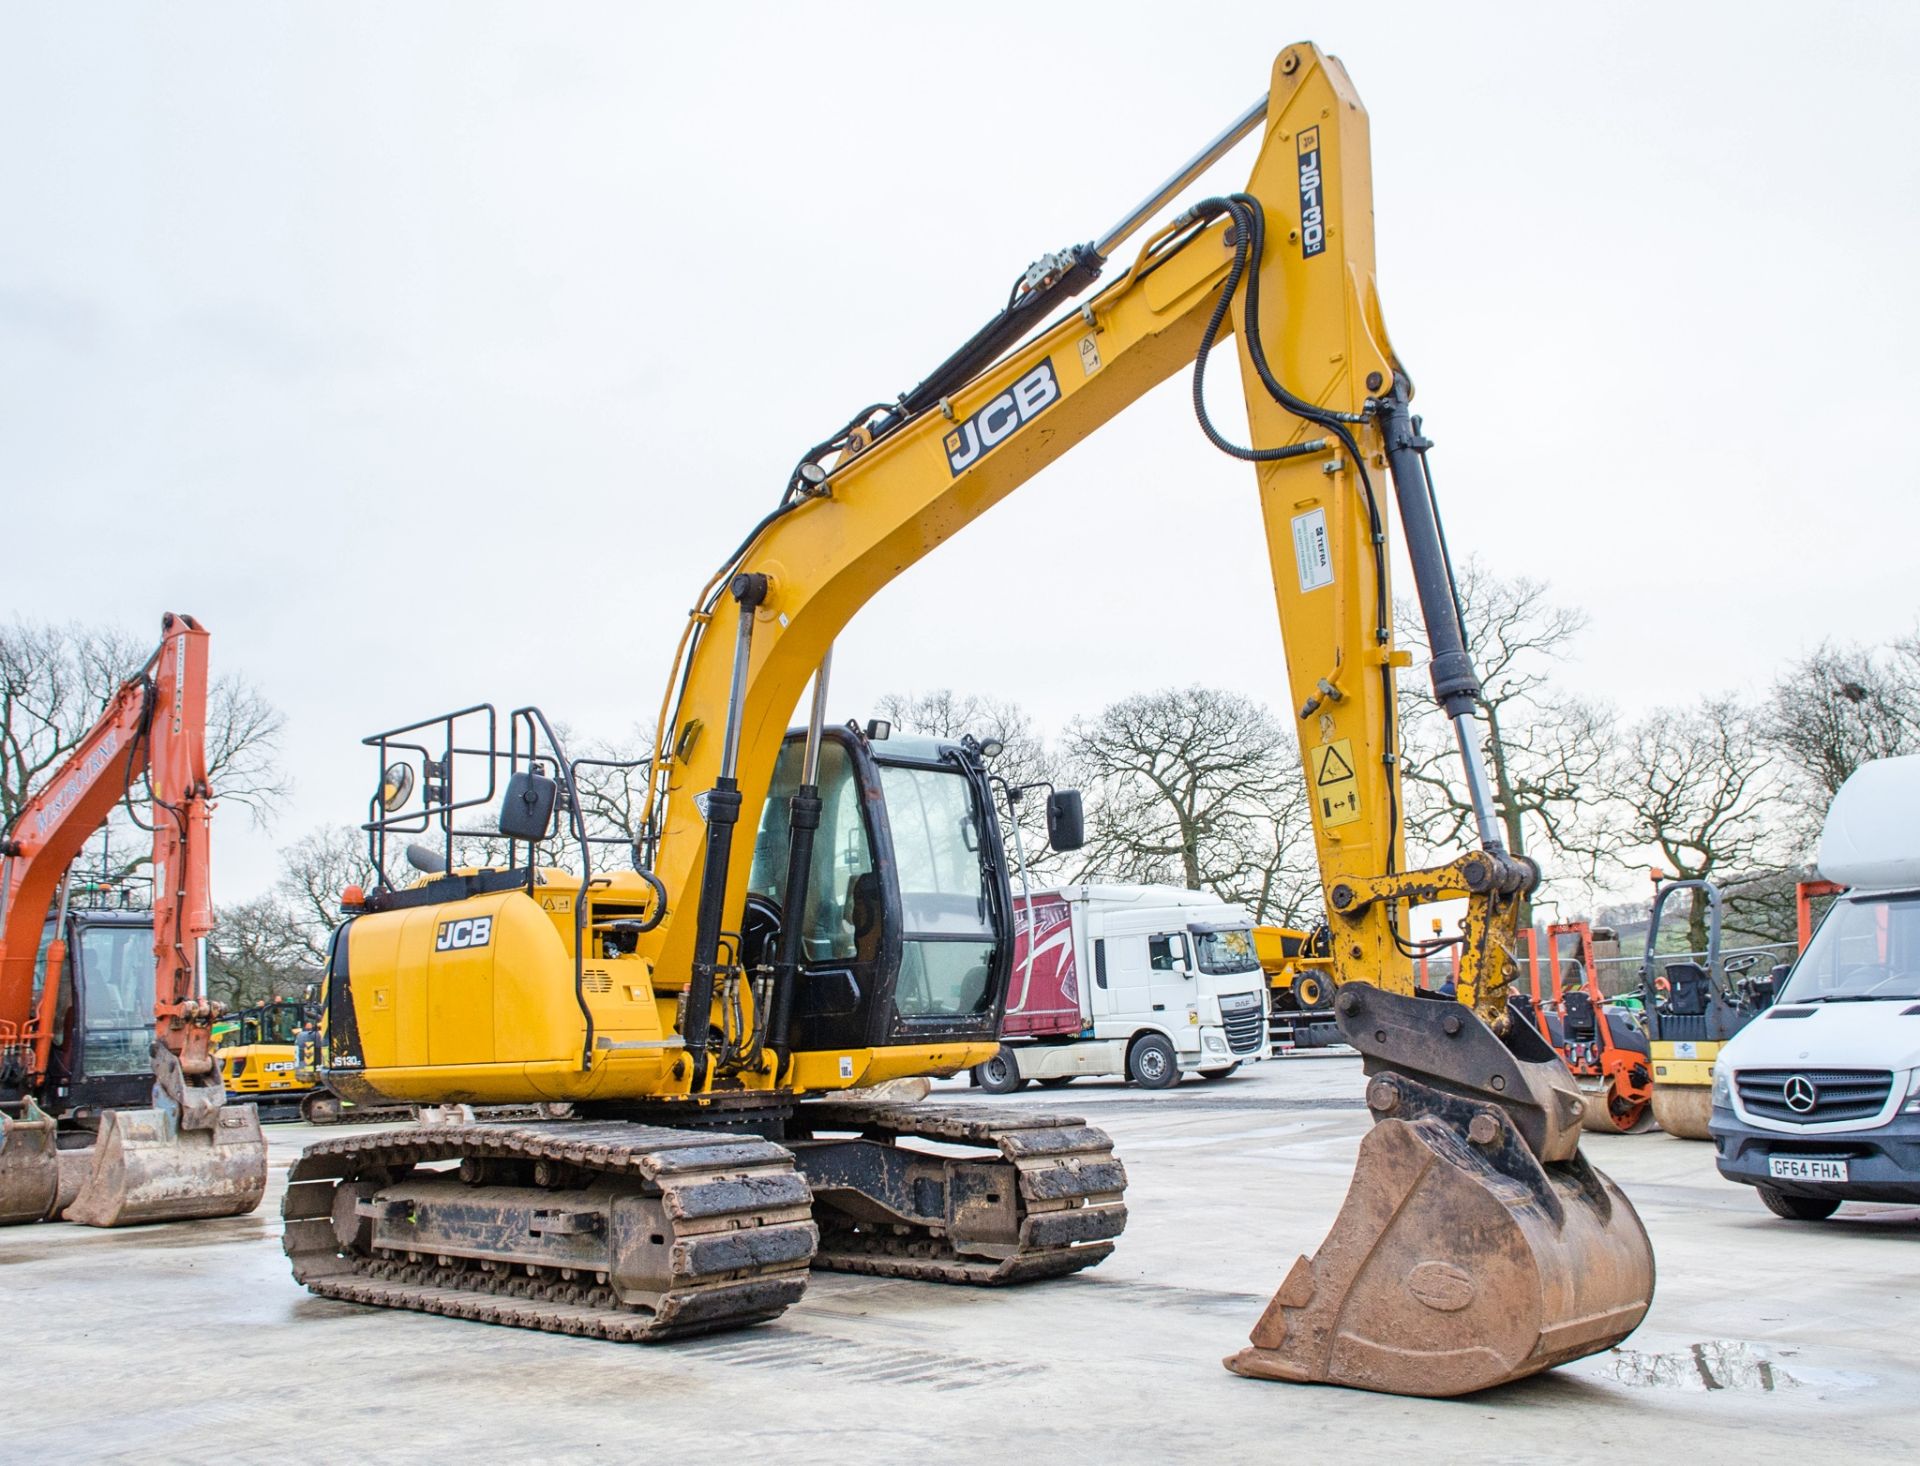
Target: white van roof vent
{"points": [[1872, 836]]}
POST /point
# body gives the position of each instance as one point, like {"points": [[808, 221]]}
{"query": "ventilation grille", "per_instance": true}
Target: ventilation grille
{"points": [[1837, 1094]]}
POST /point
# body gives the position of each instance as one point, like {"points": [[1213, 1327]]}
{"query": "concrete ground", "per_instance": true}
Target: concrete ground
{"points": [[191, 1342]]}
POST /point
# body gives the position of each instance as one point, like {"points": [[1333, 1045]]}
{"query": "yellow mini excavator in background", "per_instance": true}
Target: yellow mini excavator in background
{"points": [[813, 912]]}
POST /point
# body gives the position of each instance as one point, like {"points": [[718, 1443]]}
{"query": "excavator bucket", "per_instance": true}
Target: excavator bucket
{"points": [[1476, 1245], [146, 1168], [29, 1164]]}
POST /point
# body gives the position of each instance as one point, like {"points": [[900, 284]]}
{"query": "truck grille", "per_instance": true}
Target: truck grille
{"points": [[1836, 1094], [1246, 1029]]}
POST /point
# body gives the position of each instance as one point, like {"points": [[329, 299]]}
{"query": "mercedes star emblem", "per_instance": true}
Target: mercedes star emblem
{"points": [[1801, 1095]]}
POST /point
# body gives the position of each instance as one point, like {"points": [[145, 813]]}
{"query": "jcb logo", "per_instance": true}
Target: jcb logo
{"points": [[452, 936], [993, 424]]}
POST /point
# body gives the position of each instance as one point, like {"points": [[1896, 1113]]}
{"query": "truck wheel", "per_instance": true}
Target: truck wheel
{"points": [[1218, 1073], [1151, 1063], [1057, 1081], [999, 1075], [1309, 991], [1798, 1208]]}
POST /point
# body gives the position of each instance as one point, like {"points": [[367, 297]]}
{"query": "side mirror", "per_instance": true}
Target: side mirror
{"points": [[396, 784], [1066, 820], [527, 811]]}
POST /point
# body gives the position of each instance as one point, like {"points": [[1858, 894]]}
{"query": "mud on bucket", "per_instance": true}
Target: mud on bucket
{"points": [[147, 1169], [1476, 1245]]}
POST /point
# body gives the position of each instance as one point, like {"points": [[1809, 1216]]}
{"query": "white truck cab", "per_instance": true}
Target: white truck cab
{"points": [[1145, 982], [1818, 1101]]}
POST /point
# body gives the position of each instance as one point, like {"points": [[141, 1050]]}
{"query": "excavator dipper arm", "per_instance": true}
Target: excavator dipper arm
{"points": [[1476, 1245], [191, 1154]]}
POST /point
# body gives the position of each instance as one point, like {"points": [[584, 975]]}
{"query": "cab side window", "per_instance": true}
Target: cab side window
{"points": [[1167, 953]]}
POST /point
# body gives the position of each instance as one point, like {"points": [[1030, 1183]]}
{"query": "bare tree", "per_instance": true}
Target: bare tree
{"points": [[56, 682], [1200, 787], [1024, 759], [257, 952], [1545, 748], [1696, 789], [1836, 708], [314, 871]]}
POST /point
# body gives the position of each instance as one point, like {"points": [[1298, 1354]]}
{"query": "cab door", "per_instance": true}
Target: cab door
{"points": [[1170, 969]]}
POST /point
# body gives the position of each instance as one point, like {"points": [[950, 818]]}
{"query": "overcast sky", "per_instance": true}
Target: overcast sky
{"points": [[435, 353]]}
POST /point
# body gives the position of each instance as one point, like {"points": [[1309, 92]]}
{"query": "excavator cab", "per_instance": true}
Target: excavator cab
{"points": [[906, 921]]}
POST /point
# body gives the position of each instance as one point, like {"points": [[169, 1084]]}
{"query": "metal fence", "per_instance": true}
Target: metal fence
{"points": [[1617, 975]]}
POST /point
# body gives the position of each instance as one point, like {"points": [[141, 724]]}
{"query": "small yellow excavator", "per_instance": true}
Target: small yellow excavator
{"points": [[815, 912]]}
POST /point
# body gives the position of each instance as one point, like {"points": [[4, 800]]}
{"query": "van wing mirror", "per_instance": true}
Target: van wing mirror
{"points": [[1066, 820]]}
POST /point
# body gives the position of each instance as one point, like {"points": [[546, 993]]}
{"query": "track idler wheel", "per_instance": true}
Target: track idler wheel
{"points": [[1476, 1245], [1683, 1110], [146, 1168]]}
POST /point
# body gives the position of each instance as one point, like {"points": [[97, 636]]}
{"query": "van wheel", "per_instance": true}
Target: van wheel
{"points": [[1151, 1063], [999, 1075], [1057, 1081], [1798, 1208]]}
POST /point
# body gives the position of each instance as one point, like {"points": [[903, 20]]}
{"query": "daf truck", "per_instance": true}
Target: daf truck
{"points": [[1146, 983]]}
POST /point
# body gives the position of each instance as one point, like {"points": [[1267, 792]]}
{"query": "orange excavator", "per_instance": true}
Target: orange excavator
{"points": [[77, 990]]}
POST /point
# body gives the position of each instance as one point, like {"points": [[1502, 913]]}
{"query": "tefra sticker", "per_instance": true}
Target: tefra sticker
{"points": [[1311, 552]]}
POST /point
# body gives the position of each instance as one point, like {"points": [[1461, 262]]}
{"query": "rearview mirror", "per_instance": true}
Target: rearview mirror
{"points": [[396, 784], [1066, 821], [527, 811]]}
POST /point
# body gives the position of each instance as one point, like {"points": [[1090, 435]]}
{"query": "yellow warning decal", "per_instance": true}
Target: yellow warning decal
{"points": [[1336, 790]]}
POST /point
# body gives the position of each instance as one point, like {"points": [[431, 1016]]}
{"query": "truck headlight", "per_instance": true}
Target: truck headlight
{"points": [[1722, 1089], [1214, 1042]]}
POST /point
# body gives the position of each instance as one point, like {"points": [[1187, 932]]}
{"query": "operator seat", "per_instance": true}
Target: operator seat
{"points": [[1578, 1010], [1687, 983]]}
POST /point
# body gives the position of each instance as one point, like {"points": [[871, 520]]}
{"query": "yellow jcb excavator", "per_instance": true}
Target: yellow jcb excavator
{"points": [[817, 911]]}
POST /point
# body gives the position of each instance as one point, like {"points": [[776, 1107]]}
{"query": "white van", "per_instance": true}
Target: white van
{"points": [[1146, 982], [1818, 1101]]}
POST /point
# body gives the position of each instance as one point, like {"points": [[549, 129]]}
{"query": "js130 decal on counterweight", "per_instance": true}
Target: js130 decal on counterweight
{"points": [[1313, 203], [993, 424]]}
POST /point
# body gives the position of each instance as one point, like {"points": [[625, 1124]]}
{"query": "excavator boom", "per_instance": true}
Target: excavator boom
{"points": [[1476, 1244]]}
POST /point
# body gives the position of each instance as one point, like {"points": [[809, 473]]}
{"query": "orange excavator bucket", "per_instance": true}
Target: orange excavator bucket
{"points": [[1476, 1245], [148, 1167], [29, 1164]]}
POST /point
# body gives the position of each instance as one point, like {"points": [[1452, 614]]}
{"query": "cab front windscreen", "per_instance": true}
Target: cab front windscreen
{"points": [[1225, 951], [1867, 948]]}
